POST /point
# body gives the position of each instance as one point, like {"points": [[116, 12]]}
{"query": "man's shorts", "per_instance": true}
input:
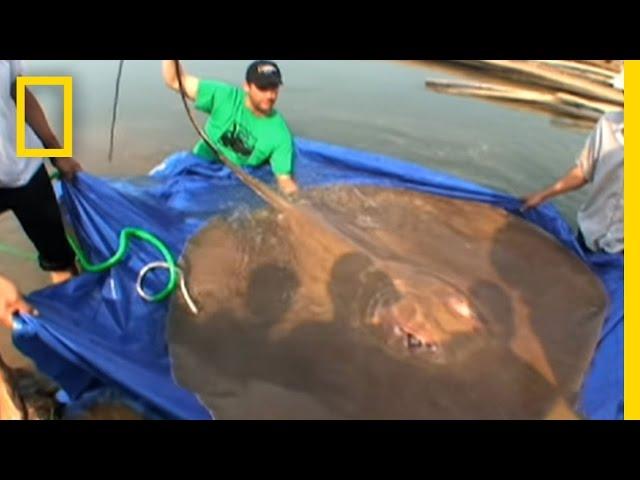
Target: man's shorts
{"points": [[36, 208]]}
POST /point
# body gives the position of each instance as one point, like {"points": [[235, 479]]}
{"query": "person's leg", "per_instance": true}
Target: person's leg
{"points": [[4, 200], [36, 208], [11, 404]]}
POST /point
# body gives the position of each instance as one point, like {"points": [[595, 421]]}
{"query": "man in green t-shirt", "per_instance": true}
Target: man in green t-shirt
{"points": [[242, 123]]}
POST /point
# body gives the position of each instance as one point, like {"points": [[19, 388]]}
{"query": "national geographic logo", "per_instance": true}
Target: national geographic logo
{"points": [[67, 143]]}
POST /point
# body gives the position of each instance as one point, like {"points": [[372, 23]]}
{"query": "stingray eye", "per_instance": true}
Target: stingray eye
{"points": [[460, 306]]}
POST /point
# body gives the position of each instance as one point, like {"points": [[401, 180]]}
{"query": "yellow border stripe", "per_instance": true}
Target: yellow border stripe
{"points": [[67, 143], [631, 267]]}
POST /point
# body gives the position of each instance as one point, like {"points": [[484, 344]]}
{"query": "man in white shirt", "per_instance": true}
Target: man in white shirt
{"points": [[601, 163], [24, 184]]}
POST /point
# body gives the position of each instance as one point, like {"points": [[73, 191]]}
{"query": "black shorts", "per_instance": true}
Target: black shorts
{"points": [[36, 208]]}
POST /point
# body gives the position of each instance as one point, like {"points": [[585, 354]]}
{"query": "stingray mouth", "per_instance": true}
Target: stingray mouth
{"points": [[415, 343], [403, 327], [417, 327]]}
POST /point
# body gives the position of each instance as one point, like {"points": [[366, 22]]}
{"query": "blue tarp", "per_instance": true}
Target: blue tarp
{"points": [[96, 334]]}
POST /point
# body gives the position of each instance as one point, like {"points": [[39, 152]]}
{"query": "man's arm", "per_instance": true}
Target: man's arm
{"points": [[573, 180], [11, 302], [282, 160], [189, 82], [287, 184], [37, 120]]}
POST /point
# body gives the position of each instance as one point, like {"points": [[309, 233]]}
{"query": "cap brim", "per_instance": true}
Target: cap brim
{"points": [[268, 83]]}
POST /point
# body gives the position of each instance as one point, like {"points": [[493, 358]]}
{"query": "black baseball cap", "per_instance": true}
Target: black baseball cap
{"points": [[264, 74]]}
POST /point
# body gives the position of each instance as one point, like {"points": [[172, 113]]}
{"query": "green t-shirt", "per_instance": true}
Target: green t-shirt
{"points": [[241, 136]]}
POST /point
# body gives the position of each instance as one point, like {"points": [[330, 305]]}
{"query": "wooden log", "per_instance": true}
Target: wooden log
{"points": [[595, 74], [612, 65], [587, 103], [487, 90], [550, 77], [562, 103]]}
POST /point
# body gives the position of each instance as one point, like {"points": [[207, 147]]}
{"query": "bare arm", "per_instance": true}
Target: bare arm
{"points": [[287, 185], [37, 120], [170, 76], [11, 302], [573, 180]]}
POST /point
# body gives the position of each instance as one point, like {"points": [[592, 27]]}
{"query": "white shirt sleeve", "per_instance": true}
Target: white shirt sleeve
{"points": [[17, 69], [588, 159]]}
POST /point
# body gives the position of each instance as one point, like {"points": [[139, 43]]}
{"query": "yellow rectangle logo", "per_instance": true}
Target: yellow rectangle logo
{"points": [[67, 143]]}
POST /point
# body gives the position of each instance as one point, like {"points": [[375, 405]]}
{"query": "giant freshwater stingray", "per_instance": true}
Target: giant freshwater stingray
{"points": [[400, 305]]}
